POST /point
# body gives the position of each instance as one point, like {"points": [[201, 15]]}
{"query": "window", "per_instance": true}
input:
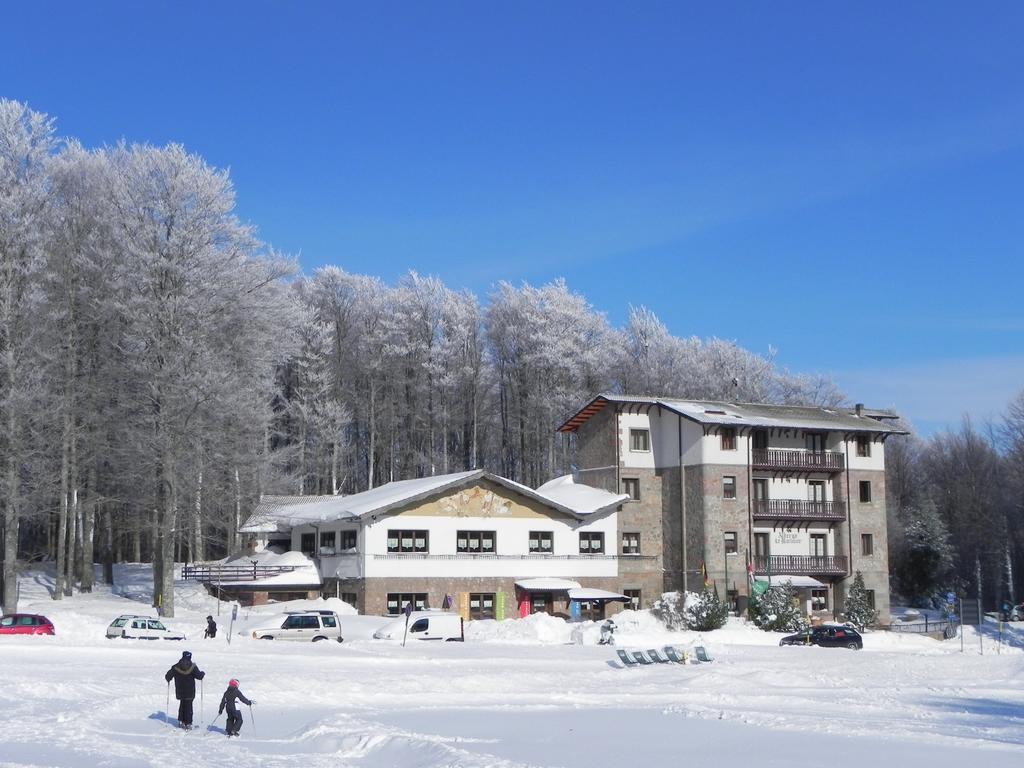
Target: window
{"points": [[631, 543], [634, 598], [730, 543], [819, 544], [761, 548], [867, 544], [542, 542], [348, 540], [639, 440], [475, 542], [481, 605], [731, 598], [819, 599], [728, 438], [760, 489], [815, 490], [631, 487], [870, 595], [863, 445], [307, 543], [728, 486], [591, 543], [760, 440], [398, 600], [865, 491], [327, 539], [814, 441], [329, 621], [407, 541], [351, 598]]}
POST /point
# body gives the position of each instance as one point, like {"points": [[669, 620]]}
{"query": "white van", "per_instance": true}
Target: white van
{"points": [[424, 625]]}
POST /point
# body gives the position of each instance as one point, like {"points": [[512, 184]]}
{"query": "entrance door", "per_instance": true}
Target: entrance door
{"points": [[541, 602]]}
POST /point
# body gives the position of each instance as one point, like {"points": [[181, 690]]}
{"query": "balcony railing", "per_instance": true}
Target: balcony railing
{"points": [[796, 460], [801, 565], [214, 573], [796, 509]]}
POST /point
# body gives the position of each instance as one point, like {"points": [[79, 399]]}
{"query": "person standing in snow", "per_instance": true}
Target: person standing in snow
{"points": [[227, 701], [185, 674], [211, 627]]}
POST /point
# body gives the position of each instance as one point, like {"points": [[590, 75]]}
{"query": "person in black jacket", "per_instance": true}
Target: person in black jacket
{"points": [[211, 627], [227, 701], [185, 674]]}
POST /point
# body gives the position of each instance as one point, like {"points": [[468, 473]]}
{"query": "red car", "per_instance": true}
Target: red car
{"points": [[25, 624]]}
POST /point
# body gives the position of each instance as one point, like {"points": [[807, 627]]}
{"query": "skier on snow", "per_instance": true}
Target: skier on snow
{"points": [[211, 627], [227, 701], [185, 674]]}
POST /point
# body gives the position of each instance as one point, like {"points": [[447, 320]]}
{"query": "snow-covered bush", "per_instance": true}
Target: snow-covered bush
{"points": [[778, 610], [706, 612], [701, 612], [858, 610], [670, 609]]}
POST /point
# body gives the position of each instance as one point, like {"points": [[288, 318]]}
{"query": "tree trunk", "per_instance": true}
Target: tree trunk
{"points": [[197, 522], [62, 516], [109, 554], [373, 434], [10, 573], [88, 532]]}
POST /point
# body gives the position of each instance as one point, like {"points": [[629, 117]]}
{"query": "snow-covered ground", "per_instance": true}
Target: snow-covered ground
{"points": [[517, 693]]}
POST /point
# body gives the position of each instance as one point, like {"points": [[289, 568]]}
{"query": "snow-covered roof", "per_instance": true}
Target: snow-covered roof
{"points": [[280, 513], [711, 412], [802, 582], [547, 584], [583, 499]]}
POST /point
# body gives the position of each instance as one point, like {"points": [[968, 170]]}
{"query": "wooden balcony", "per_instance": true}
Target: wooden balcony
{"points": [[796, 460], [801, 565], [798, 510], [231, 573]]}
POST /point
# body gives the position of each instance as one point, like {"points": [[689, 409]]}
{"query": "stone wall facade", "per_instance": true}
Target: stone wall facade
{"points": [[868, 518]]}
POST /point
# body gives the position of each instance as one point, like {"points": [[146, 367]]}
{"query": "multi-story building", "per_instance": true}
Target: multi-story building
{"points": [[721, 491]]}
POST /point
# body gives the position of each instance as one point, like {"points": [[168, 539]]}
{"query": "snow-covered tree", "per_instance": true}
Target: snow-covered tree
{"points": [[857, 609], [777, 609]]}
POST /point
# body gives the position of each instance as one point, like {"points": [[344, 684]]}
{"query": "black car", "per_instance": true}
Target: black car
{"points": [[827, 637]]}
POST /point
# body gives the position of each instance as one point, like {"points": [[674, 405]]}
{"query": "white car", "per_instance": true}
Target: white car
{"points": [[301, 625], [424, 625], [133, 627]]}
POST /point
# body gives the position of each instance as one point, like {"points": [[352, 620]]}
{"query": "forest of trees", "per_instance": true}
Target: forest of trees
{"points": [[160, 369]]}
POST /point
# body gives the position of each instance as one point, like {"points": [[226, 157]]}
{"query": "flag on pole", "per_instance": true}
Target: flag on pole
{"points": [[704, 574]]}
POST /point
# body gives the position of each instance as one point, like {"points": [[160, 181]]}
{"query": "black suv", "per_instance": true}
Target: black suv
{"points": [[827, 637]]}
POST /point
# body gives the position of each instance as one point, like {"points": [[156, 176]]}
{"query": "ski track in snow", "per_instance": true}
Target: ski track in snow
{"points": [[78, 699]]}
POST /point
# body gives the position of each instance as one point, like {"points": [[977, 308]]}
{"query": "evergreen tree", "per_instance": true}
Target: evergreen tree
{"points": [[858, 609], [925, 564], [778, 610], [706, 612]]}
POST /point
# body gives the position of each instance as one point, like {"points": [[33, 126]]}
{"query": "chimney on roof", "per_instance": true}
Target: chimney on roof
{"points": [[859, 407]]}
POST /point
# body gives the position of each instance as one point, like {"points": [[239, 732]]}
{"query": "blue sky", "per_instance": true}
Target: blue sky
{"points": [[843, 185]]}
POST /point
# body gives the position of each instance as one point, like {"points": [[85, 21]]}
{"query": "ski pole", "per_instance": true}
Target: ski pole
{"points": [[167, 705], [252, 719], [201, 698]]}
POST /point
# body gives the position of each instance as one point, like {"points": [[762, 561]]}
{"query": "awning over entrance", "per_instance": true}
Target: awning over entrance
{"points": [[800, 582], [593, 595], [547, 585]]}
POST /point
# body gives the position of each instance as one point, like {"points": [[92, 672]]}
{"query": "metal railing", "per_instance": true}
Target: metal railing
{"points": [[796, 459], [797, 509], [542, 557], [925, 626], [807, 565], [232, 572]]}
